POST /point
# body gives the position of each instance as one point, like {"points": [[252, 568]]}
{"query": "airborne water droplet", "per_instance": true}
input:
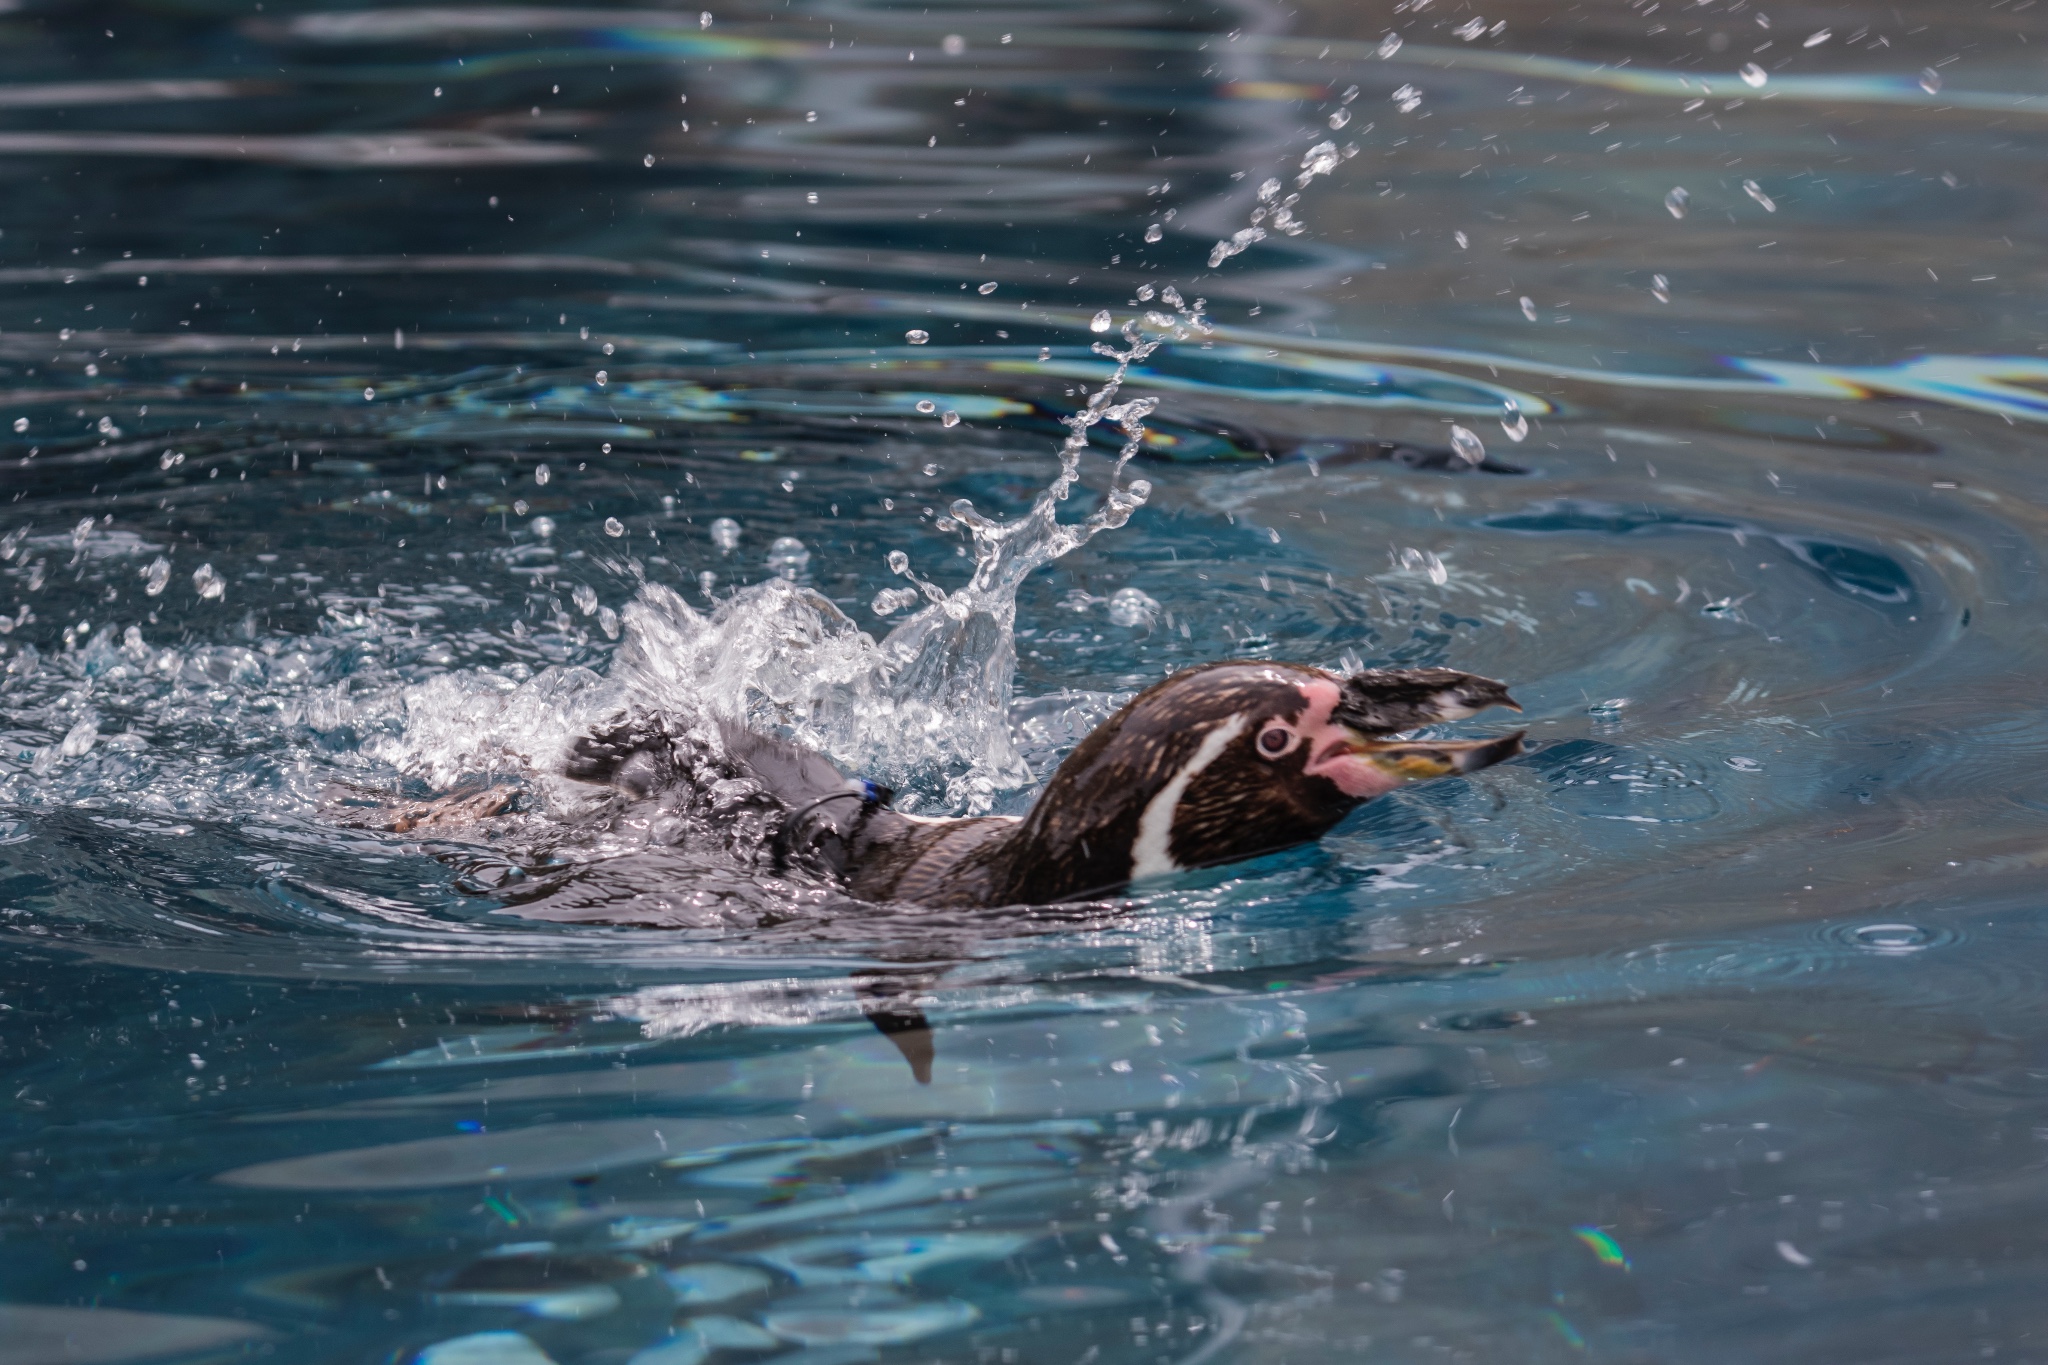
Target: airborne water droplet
{"points": [[949, 418], [1389, 45], [614, 527], [1132, 607], [1930, 80], [1339, 118], [1528, 308], [1514, 423], [585, 598], [157, 576], [1676, 201], [541, 474], [1754, 76], [1467, 446], [1750, 188], [1154, 233], [988, 288], [788, 557], [1660, 289], [1101, 322], [1815, 39], [917, 336], [725, 534], [927, 406], [209, 583]]}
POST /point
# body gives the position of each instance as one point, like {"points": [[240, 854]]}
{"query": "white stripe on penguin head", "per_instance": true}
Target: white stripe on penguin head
{"points": [[1152, 854]]}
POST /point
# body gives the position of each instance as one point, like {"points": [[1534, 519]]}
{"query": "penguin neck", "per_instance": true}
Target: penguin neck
{"points": [[1077, 841]]}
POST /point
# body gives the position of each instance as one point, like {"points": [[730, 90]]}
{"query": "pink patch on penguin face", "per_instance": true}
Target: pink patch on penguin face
{"points": [[1332, 747]]}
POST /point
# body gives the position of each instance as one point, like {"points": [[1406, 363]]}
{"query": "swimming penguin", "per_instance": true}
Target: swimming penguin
{"points": [[1213, 765]]}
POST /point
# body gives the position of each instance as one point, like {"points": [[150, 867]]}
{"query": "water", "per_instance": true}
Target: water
{"points": [[390, 393]]}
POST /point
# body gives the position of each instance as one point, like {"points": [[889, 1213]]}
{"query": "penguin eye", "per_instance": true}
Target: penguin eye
{"points": [[1276, 740]]}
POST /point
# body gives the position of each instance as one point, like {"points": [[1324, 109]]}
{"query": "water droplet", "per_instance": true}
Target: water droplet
{"points": [[1676, 201], [210, 584], [520, 507], [1472, 28], [648, 161], [1815, 39], [1750, 188], [541, 474], [1339, 119], [1753, 75], [1528, 308], [1891, 938], [725, 534], [1745, 765], [21, 424], [1930, 81], [1154, 233], [1609, 709], [1045, 353], [1467, 446], [927, 406], [1132, 607], [1515, 424], [1426, 564], [543, 527], [704, 19], [80, 532], [899, 562], [369, 394], [608, 622], [788, 557], [949, 418], [952, 44], [585, 598], [1389, 45], [917, 336], [1660, 289], [157, 576], [1407, 99], [1100, 322], [1464, 242], [614, 527], [603, 378], [988, 288]]}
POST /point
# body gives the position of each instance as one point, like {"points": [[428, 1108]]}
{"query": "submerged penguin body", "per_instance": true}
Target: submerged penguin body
{"points": [[1213, 765]]}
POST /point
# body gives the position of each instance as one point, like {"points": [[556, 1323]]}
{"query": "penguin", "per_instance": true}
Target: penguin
{"points": [[1213, 765]]}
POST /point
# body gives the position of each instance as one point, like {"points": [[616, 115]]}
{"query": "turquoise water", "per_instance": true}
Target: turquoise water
{"points": [[1708, 1030]]}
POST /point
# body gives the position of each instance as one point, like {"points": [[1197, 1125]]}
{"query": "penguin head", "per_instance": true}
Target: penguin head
{"points": [[1233, 760]]}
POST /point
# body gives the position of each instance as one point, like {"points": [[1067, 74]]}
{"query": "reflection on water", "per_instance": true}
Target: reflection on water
{"points": [[390, 393]]}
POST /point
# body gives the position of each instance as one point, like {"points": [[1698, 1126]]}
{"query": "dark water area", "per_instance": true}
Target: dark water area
{"points": [[385, 393]]}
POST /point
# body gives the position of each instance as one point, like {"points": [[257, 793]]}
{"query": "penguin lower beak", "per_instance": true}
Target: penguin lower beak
{"points": [[1420, 761]]}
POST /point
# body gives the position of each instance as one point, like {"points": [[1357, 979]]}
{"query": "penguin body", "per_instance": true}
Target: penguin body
{"points": [[1213, 765]]}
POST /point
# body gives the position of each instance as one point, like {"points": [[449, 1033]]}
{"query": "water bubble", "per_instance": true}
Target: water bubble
{"points": [[788, 557], [21, 424], [210, 584], [725, 534], [1753, 75], [1528, 308], [1100, 322], [1407, 99], [917, 336], [899, 562], [541, 474], [614, 527], [1660, 289], [1154, 233], [543, 527], [1467, 446], [157, 576], [889, 601], [949, 418], [1816, 38], [1389, 45], [1132, 607], [1676, 201], [988, 288], [1891, 938], [1424, 563], [1930, 81], [952, 44], [927, 406], [1750, 188], [1339, 119]]}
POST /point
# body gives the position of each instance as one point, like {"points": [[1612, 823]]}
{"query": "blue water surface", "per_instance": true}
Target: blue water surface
{"points": [[361, 367]]}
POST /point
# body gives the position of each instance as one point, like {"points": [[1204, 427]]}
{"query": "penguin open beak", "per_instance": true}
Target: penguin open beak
{"points": [[1390, 701]]}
